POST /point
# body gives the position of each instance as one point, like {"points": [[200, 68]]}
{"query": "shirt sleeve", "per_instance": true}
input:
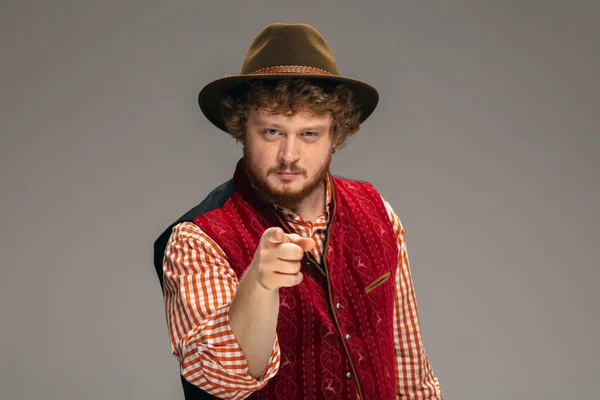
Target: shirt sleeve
{"points": [[199, 285], [415, 378]]}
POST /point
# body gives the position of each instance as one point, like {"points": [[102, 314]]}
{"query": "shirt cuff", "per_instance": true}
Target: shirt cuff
{"points": [[219, 363]]}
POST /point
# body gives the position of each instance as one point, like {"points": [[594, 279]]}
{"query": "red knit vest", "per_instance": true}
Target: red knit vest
{"points": [[335, 330]]}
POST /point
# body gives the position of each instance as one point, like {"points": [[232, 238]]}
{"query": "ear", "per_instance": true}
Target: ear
{"points": [[334, 144]]}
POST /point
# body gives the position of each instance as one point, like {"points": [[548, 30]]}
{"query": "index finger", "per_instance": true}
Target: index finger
{"points": [[274, 235]]}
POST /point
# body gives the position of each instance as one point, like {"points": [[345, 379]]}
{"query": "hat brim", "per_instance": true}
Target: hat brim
{"points": [[209, 98]]}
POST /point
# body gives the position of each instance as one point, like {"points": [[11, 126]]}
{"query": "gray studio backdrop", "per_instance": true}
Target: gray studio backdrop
{"points": [[486, 142]]}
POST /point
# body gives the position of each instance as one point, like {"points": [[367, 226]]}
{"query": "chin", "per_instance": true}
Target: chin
{"points": [[284, 185], [285, 190]]}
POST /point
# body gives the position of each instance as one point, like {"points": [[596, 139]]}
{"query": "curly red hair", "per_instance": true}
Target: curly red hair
{"points": [[290, 96]]}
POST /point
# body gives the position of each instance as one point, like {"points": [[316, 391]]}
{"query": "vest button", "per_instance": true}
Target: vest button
{"points": [[348, 375], [348, 337], [338, 306]]}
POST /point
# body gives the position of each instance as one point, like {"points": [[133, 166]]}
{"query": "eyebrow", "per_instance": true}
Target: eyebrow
{"points": [[307, 128]]}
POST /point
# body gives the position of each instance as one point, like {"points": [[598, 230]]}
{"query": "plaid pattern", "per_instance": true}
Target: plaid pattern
{"points": [[200, 285]]}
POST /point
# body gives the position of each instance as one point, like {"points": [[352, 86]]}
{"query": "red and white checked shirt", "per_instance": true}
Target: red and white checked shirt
{"points": [[199, 285]]}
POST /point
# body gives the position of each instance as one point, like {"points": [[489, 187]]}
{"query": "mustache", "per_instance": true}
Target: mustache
{"points": [[287, 169]]}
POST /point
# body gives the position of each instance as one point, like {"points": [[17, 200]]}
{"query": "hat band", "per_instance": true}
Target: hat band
{"points": [[290, 69]]}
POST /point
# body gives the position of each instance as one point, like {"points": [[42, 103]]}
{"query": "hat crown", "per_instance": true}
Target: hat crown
{"points": [[285, 51], [289, 45]]}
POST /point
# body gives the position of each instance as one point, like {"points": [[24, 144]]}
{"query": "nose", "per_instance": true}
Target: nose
{"points": [[289, 152]]}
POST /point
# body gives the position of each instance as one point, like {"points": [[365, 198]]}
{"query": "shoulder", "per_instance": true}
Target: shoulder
{"points": [[184, 225], [352, 184], [186, 230], [394, 219], [187, 236], [215, 199], [359, 186]]}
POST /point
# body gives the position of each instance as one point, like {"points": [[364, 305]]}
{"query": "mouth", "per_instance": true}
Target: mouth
{"points": [[287, 175]]}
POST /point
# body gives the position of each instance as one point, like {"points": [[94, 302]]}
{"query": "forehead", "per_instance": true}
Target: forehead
{"points": [[305, 116]]}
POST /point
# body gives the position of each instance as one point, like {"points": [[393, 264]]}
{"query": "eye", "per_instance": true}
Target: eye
{"points": [[311, 134], [271, 132]]}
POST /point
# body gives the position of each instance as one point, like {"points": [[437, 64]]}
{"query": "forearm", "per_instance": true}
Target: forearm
{"points": [[253, 320], [198, 316]]}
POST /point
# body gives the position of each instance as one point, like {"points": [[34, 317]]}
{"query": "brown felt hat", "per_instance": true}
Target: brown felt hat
{"points": [[285, 51]]}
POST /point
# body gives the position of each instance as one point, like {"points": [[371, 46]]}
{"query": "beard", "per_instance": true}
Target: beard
{"points": [[285, 197]]}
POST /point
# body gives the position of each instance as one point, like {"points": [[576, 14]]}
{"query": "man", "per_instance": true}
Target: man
{"points": [[287, 282]]}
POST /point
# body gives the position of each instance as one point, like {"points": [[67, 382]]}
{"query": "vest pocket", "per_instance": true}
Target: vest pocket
{"points": [[377, 282]]}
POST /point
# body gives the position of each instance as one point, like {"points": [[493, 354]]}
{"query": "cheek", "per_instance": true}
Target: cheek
{"points": [[262, 156], [318, 157]]}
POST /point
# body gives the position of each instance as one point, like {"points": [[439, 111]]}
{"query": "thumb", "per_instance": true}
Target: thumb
{"points": [[306, 243]]}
